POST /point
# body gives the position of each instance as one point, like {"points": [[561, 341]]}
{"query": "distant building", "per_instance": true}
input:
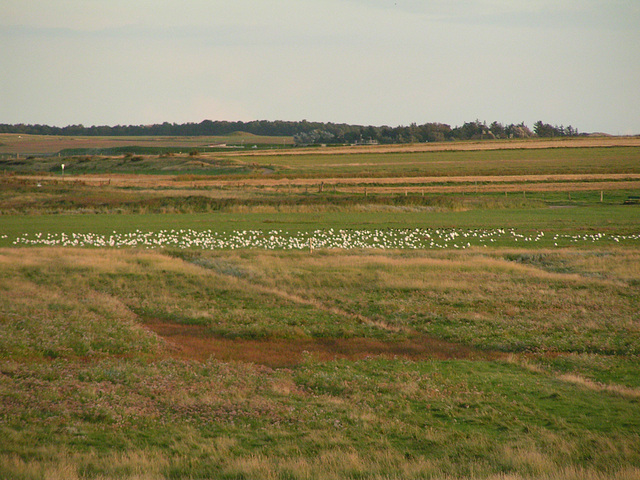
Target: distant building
{"points": [[369, 141]]}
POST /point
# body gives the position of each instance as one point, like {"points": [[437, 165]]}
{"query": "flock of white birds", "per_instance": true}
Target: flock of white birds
{"points": [[417, 238]]}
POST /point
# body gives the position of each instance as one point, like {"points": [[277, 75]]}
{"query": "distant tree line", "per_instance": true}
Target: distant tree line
{"points": [[305, 132], [546, 130]]}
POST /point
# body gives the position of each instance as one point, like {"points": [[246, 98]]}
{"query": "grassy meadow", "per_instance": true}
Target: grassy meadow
{"points": [[205, 332], [450, 163]]}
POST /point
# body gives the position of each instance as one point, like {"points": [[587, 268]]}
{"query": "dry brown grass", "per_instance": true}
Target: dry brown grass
{"points": [[337, 465], [600, 387], [485, 183], [572, 473]]}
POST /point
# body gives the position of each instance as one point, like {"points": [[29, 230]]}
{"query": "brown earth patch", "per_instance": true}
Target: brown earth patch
{"points": [[192, 342]]}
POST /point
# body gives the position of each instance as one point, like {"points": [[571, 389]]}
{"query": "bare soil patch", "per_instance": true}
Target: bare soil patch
{"points": [[192, 342]]}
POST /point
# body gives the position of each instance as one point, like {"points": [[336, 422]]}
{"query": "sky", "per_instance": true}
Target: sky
{"points": [[365, 62]]}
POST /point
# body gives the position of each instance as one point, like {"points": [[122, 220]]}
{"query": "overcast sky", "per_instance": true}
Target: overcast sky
{"points": [[369, 62]]}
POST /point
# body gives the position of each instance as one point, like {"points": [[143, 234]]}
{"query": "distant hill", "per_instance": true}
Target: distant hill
{"points": [[305, 132]]}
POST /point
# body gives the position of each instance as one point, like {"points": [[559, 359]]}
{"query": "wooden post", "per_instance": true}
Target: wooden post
{"points": [[365, 192], [601, 196]]}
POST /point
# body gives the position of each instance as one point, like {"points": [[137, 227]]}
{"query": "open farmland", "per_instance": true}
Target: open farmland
{"points": [[374, 314], [33, 145]]}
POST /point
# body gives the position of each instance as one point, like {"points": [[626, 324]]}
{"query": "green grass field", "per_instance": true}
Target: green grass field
{"points": [[144, 157], [447, 163], [158, 333], [610, 220]]}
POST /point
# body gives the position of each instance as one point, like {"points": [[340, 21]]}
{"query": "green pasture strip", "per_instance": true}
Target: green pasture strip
{"points": [[50, 195], [620, 219], [593, 160], [116, 419], [492, 162]]}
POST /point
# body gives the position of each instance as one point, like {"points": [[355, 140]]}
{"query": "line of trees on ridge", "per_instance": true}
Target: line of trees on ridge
{"points": [[305, 132]]}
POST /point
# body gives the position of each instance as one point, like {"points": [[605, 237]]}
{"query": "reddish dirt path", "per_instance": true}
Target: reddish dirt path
{"points": [[193, 343]]}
